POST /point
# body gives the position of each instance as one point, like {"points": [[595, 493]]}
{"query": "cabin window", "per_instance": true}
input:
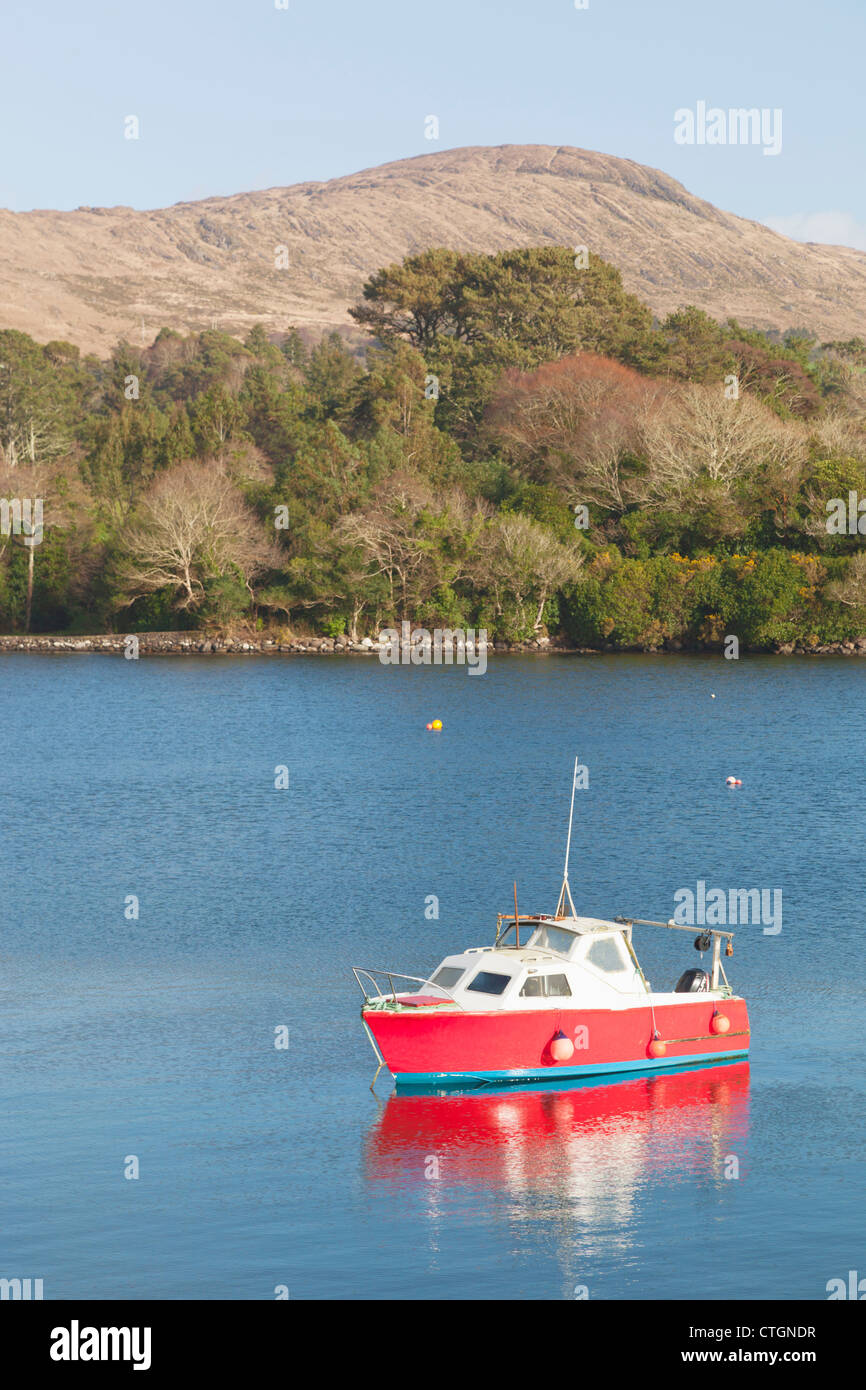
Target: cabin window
{"points": [[606, 955], [485, 982], [447, 976], [545, 986], [557, 985], [554, 939]]}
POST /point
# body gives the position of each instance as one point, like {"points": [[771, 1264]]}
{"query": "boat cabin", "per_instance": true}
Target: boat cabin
{"points": [[581, 961], [577, 962]]}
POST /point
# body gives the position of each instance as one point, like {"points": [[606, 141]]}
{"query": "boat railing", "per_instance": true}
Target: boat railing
{"points": [[379, 994]]}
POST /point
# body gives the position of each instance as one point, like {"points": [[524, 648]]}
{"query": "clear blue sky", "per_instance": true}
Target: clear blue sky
{"points": [[234, 95]]}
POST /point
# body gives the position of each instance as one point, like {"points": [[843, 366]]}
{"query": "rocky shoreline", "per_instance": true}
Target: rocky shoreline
{"points": [[199, 644]]}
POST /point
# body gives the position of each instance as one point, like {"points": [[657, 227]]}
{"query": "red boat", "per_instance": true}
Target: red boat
{"points": [[556, 994]]}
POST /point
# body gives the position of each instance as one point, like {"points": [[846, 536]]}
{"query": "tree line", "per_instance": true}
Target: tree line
{"points": [[518, 446]]}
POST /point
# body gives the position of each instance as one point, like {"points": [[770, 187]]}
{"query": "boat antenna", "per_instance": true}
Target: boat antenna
{"points": [[565, 891], [516, 917]]}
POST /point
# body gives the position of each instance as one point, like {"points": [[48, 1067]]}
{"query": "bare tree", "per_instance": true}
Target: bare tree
{"points": [[700, 433], [31, 431], [524, 563], [838, 435], [575, 423], [31, 501], [194, 525], [399, 536], [32, 441]]}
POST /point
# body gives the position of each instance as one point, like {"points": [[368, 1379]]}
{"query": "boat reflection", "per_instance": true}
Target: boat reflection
{"points": [[586, 1143]]}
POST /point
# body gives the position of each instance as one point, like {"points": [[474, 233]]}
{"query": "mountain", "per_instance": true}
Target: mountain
{"points": [[96, 274]]}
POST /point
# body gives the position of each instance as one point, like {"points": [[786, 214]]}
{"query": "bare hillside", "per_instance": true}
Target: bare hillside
{"points": [[96, 274]]}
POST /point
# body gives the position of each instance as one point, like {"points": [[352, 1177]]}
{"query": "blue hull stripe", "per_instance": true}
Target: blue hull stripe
{"points": [[460, 1078]]}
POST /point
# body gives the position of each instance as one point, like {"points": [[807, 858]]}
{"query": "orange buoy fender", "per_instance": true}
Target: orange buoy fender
{"points": [[561, 1047], [719, 1023], [657, 1048]]}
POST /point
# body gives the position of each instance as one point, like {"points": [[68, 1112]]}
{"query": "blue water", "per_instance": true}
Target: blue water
{"points": [[262, 1167]]}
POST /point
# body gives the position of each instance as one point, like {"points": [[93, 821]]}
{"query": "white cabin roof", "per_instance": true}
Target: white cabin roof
{"points": [[585, 924]]}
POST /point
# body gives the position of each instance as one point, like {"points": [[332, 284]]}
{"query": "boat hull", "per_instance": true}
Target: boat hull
{"points": [[435, 1047]]}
